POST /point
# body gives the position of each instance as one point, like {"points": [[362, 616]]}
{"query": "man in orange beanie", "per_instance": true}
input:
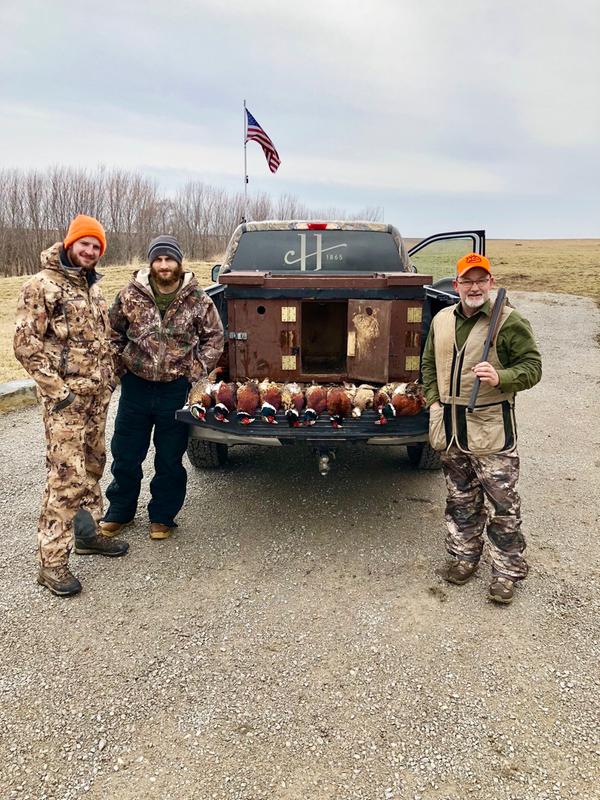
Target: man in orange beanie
{"points": [[478, 447], [62, 339]]}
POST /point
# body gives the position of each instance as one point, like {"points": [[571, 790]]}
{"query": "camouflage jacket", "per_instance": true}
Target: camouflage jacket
{"points": [[187, 341], [62, 335]]}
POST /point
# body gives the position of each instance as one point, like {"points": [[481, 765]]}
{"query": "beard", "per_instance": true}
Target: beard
{"points": [[475, 302], [78, 262], [166, 280]]}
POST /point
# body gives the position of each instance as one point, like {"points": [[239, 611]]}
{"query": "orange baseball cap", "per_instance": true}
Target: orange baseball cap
{"points": [[472, 260], [85, 226]]}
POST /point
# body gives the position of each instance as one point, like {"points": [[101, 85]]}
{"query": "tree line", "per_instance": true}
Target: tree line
{"points": [[37, 206]]}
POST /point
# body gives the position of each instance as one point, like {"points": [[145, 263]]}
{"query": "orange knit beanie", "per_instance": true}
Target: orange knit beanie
{"points": [[85, 226]]}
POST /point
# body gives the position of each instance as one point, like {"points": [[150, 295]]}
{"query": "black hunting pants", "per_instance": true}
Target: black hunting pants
{"points": [[147, 411]]}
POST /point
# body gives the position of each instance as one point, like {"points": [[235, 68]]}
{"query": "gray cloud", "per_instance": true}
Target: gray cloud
{"points": [[433, 110]]}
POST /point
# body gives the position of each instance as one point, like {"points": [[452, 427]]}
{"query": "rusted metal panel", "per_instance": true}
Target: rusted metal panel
{"points": [[406, 279], [244, 278], [377, 280], [325, 337], [369, 320], [405, 340], [270, 347]]}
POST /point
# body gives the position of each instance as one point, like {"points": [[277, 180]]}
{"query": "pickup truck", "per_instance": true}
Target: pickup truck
{"points": [[318, 302]]}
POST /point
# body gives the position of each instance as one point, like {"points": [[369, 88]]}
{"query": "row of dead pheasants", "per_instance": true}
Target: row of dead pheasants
{"points": [[302, 404]]}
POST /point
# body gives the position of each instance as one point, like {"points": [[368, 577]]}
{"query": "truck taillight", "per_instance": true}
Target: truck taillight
{"points": [[317, 226]]}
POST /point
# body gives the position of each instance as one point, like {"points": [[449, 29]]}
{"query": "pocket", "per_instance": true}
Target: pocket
{"points": [[437, 429], [485, 429], [82, 360]]}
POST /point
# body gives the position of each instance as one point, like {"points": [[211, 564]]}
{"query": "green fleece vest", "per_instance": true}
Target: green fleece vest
{"points": [[490, 427]]}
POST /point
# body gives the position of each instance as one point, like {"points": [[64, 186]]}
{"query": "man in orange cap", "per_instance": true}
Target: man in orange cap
{"points": [[62, 339], [479, 448]]}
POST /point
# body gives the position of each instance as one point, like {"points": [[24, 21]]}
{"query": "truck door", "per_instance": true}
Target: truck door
{"points": [[368, 352], [437, 255]]}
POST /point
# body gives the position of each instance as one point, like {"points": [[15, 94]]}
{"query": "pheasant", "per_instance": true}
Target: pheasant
{"points": [[248, 401], [339, 404], [316, 403], [224, 396], [382, 402], [270, 398], [363, 399], [408, 399], [200, 398], [292, 400]]}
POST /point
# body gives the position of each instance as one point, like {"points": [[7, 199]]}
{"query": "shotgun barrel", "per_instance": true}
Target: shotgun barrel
{"points": [[491, 335]]}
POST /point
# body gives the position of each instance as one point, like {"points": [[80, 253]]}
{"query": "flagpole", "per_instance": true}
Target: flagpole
{"points": [[245, 166]]}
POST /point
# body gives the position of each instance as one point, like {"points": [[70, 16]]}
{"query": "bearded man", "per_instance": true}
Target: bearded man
{"points": [[63, 339], [167, 334], [479, 448]]}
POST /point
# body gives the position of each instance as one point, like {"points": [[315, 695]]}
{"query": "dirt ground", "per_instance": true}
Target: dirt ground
{"points": [[295, 640]]}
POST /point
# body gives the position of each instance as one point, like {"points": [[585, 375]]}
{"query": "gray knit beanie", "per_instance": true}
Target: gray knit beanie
{"points": [[165, 246]]}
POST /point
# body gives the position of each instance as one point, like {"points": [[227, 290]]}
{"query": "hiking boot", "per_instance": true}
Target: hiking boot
{"points": [[112, 528], [460, 571], [160, 531], [100, 545], [59, 580], [501, 590]]}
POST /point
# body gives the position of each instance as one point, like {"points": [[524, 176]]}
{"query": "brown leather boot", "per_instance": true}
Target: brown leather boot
{"points": [[59, 580], [460, 571], [501, 590], [112, 528], [160, 531]]}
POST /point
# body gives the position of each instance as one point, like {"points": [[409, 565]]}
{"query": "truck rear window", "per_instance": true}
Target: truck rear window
{"points": [[314, 251]]}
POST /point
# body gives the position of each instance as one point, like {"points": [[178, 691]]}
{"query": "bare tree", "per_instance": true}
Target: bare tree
{"points": [[36, 208]]}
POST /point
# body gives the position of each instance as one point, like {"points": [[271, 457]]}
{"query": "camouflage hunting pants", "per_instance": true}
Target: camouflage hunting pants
{"points": [[471, 481], [75, 458]]}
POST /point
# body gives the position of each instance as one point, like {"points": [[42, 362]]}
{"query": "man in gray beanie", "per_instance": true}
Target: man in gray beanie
{"points": [[167, 334]]}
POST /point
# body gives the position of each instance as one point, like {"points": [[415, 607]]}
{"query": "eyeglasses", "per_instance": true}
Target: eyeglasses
{"points": [[469, 282]]}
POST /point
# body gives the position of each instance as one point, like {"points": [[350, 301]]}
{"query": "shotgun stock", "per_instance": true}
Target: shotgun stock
{"points": [[491, 335]]}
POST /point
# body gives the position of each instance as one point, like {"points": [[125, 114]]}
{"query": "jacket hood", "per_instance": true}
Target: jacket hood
{"points": [[142, 276], [50, 258]]}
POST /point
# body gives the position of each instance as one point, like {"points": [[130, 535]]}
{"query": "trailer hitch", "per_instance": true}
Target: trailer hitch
{"points": [[325, 458]]}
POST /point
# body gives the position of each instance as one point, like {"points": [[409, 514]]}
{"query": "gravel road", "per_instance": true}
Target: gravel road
{"points": [[294, 639]]}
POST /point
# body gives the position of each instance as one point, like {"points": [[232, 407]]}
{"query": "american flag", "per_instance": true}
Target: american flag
{"points": [[254, 133]]}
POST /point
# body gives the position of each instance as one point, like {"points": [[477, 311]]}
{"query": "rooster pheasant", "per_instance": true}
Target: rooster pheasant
{"points": [[270, 398], [316, 403], [248, 402]]}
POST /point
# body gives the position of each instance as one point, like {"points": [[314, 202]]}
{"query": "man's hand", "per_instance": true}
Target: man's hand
{"points": [[486, 373], [435, 405]]}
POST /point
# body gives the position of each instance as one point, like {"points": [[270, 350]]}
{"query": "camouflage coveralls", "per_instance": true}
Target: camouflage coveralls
{"points": [[62, 339], [471, 480]]}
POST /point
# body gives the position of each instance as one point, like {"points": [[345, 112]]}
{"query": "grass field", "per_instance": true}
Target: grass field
{"points": [[571, 266]]}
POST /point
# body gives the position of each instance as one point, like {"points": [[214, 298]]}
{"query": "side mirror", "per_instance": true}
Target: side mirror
{"points": [[214, 273]]}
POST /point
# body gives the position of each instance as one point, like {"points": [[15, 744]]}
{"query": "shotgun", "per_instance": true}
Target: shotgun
{"points": [[489, 339]]}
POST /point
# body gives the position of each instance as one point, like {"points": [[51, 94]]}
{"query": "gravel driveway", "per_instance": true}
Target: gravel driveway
{"points": [[294, 640]]}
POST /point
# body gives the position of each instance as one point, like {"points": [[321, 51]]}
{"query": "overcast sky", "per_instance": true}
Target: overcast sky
{"points": [[446, 115]]}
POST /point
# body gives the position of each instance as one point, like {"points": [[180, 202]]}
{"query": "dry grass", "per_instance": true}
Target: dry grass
{"points": [[571, 266]]}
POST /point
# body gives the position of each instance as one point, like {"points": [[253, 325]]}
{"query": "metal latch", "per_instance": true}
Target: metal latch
{"points": [[241, 336]]}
